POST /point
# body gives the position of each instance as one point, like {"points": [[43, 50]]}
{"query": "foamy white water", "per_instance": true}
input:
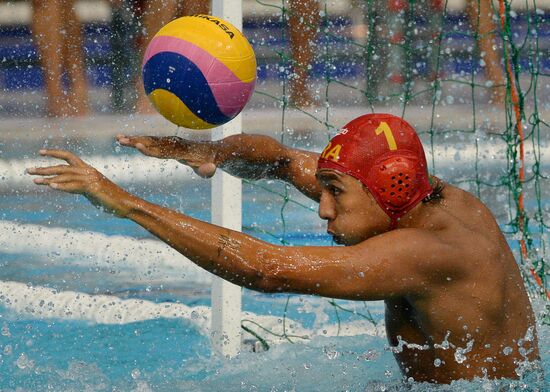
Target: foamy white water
{"points": [[44, 303], [121, 169], [126, 169], [40, 302], [146, 259]]}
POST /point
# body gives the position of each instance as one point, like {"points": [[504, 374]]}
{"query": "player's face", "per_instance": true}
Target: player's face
{"points": [[351, 213]]}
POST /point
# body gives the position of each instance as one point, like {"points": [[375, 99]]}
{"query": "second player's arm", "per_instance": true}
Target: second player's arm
{"points": [[244, 156], [256, 156]]}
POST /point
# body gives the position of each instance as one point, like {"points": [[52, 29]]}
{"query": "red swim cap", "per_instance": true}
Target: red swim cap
{"points": [[384, 153]]}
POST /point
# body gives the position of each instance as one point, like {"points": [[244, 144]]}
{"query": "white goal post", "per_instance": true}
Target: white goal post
{"points": [[227, 212]]}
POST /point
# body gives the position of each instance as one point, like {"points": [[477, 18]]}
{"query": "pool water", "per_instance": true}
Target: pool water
{"points": [[68, 353], [168, 355]]}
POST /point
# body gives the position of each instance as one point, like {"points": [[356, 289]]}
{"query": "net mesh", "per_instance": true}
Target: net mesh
{"points": [[478, 83]]}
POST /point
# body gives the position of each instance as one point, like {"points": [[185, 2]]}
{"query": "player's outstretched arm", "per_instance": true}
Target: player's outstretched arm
{"points": [[378, 268], [245, 156]]}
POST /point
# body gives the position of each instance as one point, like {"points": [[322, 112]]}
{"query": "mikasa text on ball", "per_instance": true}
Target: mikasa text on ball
{"points": [[199, 71]]}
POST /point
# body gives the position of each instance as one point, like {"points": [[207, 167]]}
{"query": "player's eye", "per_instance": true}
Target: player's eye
{"points": [[335, 191]]}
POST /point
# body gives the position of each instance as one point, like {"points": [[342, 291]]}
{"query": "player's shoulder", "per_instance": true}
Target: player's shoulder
{"points": [[458, 196], [409, 243], [416, 253], [469, 215]]}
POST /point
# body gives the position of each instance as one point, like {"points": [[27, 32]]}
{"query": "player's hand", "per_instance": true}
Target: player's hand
{"points": [[78, 177], [200, 156]]}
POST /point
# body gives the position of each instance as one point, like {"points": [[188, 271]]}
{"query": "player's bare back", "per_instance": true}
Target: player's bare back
{"points": [[479, 325]]}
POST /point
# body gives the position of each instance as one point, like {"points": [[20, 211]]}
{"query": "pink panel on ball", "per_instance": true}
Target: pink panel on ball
{"points": [[230, 92], [232, 97]]}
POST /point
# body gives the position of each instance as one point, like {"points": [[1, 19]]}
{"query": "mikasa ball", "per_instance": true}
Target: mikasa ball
{"points": [[199, 71]]}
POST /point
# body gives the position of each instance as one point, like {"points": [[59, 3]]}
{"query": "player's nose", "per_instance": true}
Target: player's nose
{"points": [[326, 207]]}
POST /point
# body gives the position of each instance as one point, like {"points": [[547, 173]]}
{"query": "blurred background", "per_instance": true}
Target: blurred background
{"points": [[346, 39]]}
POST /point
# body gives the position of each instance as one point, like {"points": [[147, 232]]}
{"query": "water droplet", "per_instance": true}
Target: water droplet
{"points": [[331, 353], [22, 362], [8, 350], [459, 356], [369, 355], [5, 330]]}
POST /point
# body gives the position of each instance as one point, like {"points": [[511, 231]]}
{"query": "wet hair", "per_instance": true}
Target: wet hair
{"points": [[437, 192]]}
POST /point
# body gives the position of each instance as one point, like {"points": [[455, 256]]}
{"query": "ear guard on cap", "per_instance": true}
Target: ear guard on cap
{"points": [[395, 182], [398, 183]]}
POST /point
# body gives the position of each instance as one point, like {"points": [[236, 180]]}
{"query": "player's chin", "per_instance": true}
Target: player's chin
{"points": [[341, 239], [336, 239]]}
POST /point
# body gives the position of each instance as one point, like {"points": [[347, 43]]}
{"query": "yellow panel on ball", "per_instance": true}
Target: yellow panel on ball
{"points": [[171, 107], [219, 38]]}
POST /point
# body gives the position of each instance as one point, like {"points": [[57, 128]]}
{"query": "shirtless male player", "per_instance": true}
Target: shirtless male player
{"points": [[431, 251]]}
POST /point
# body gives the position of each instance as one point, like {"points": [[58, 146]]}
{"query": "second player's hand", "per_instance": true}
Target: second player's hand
{"points": [[200, 156]]}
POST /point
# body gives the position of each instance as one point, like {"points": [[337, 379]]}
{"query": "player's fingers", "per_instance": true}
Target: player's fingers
{"points": [[69, 186], [206, 170], [133, 141], [50, 170], [63, 178], [147, 145], [65, 182], [143, 149], [67, 156], [56, 179], [160, 147]]}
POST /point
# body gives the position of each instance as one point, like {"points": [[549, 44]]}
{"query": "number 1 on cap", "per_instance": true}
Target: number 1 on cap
{"points": [[384, 127]]}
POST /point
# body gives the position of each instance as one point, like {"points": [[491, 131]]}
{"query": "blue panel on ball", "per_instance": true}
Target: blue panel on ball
{"points": [[177, 74]]}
